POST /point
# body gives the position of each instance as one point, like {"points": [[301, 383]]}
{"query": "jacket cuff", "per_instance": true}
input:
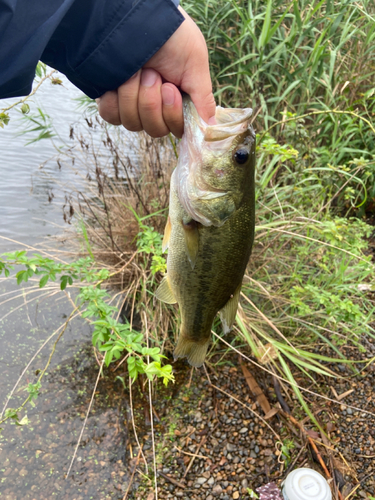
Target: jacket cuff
{"points": [[130, 44]]}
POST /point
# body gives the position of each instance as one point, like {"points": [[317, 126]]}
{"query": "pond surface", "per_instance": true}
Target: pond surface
{"points": [[35, 458]]}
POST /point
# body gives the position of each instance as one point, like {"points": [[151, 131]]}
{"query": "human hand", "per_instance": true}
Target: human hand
{"points": [[145, 102]]}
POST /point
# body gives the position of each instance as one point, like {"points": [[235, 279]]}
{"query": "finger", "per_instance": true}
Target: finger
{"points": [[108, 107], [128, 103], [205, 105], [150, 104], [200, 90], [172, 109], [197, 80]]}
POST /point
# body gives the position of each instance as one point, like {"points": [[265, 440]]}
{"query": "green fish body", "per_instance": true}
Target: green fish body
{"points": [[210, 229]]}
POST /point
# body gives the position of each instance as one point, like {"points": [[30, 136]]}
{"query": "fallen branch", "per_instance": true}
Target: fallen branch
{"points": [[171, 480], [256, 390]]}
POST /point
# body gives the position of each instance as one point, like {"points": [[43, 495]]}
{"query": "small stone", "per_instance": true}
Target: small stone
{"points": [[243, 430], [231, 447], [201, 480], [198, 417], [23, 472], [211, 481], [217, 490], [253, 454], [236, 495], [256, 449], [349, 411]]}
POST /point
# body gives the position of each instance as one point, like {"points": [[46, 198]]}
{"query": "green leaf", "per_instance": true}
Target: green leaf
{"points": [[4, 119], [25, 108], [23, 421], [43, 281], [296, 390], [264, 36]]}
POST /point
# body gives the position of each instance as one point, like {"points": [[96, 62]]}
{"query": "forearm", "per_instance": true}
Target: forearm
{"points": [[97, 44]]}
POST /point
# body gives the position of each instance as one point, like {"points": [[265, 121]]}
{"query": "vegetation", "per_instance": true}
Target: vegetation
{"points": [[304, 57]]}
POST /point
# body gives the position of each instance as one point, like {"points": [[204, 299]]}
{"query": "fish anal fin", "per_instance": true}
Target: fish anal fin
{"points": [[191, 234], [228, 312], [195, 351], [165, 293], [167, 234]]}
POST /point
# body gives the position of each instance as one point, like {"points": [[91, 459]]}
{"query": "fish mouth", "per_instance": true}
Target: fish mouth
{"points": [[230, 122]]}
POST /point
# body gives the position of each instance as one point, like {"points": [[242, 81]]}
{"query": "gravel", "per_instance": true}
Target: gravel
{"points": [[236, 452]]}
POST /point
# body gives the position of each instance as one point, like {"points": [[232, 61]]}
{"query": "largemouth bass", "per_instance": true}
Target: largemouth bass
{"points": [[210, 228]]}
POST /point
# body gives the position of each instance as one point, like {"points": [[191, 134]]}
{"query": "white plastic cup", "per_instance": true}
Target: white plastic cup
{"points": [[306, 484]]}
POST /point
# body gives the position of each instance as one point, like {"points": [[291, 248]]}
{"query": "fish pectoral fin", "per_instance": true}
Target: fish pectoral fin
{"points": [[167, 234], [228, 312], [191, 234], [165, 293]]}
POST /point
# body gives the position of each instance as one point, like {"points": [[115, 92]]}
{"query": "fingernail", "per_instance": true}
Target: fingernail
{"points": [[148, 77], [167, 95], [212, 121]]}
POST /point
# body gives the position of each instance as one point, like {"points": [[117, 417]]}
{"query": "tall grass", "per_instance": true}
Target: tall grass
{"points": [[296, 58]]}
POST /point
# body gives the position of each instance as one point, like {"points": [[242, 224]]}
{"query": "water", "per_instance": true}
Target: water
{"points": [[25, 213], [35, 458]]}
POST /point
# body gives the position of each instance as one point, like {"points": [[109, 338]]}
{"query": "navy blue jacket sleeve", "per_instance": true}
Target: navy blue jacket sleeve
{"points": [[97, 44]]}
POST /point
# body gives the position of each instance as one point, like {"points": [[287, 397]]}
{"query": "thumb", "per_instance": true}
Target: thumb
{"points": [[196, 79], [205, 104]]}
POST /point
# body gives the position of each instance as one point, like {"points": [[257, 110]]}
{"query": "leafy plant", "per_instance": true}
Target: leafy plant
{"points": [[112, 338]]}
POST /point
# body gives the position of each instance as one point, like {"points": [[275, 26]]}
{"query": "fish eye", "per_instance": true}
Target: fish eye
{"points": [[241, 156]]}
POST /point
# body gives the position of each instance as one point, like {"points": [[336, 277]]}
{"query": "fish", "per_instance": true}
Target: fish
{"points": [[210, 228]]}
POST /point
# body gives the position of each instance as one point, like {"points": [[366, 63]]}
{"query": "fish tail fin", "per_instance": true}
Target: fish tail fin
{"points": [[194, 351]]}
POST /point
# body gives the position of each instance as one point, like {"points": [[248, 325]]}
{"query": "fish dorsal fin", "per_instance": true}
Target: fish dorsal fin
{"points": [[228, 312], [165, 293], [167, 234], [191, 234]]}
